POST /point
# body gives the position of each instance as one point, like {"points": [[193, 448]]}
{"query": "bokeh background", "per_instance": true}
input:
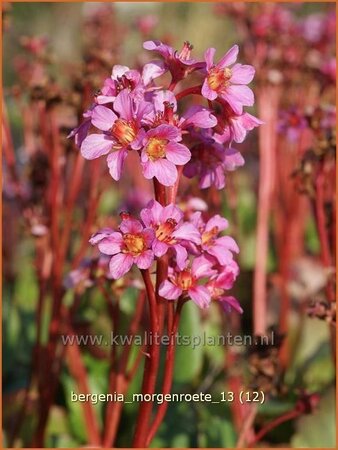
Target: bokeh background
{"points": [[55, 57]]}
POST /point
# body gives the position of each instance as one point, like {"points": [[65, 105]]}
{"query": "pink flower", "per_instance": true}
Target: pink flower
{"points": [[234, 127], [228, 84], [229, 303], [210, 161], [179, 64], [186, 282], [221, 283], [130, 245], [80, 132], [170, 230], [122, 132], [165, 112], [121, 78], [291, 123], [219, 247], [161, 153]]}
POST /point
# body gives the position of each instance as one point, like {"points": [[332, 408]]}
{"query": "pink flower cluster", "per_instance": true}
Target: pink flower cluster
{"points": [[201, 261], [132, 113]]}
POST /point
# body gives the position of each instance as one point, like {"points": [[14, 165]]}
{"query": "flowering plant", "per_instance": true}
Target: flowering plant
{"points": [[136, 112]]}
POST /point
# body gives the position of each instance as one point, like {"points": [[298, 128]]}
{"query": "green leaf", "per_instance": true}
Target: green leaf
{"points": [[189, 358]]}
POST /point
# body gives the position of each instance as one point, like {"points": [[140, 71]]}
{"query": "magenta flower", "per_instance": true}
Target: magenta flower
{"points": [[170, 230], [228, 83], [121, 78], [291, 123], [179, 64], [162, 152], [223, 282], [186, 282], [235, 126], [210, 161], [122, 132], [130, 245], [220, 247], [79, 133], [165, 112]]}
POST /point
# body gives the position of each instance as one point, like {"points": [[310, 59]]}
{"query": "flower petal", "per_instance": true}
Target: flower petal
{"points": [[115, 161], [169, 291], [96, 145], [242, 74], [152, 70], [209, 57], [131, 226], [200, 295], [229, 58], [111, 244], [144, 261], [102, 234], [171, 211], [120, 264], [199, 117], [103, 117], [188, 232], [217, 221], [202, 267], [228, 303], [177, 153], [207, 92], [181, 256], [159, 248], [123, 105], [165, 171]]}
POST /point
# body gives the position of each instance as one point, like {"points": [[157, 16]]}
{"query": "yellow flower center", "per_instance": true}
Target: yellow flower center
{"points": [[134, 244], [163, 231], [156, 148], [184, 280], [219, 78], [124, 132], [208, 236]]}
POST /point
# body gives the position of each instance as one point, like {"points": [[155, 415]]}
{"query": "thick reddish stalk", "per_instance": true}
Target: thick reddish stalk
{"points": [[114, 411], [168, 374], [267, 106], [151, 366]]}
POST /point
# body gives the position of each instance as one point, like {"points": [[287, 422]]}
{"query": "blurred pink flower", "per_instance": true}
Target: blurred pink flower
{"points": [[210, 161], [222, 283], [186, 282], [130, 245], [228, 83], [234, 127], [170, 230], [162, 152]]}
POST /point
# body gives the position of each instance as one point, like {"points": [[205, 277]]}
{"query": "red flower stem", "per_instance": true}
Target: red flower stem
{"points": [[173, 190], [275, 423], [151, 367], [267, 106], [75, 185], [114, 410], [78, 371], [189, 91], [246, 427], [94, 197], [9, 153], [160, 192], [322, 230], [168, 374]]}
